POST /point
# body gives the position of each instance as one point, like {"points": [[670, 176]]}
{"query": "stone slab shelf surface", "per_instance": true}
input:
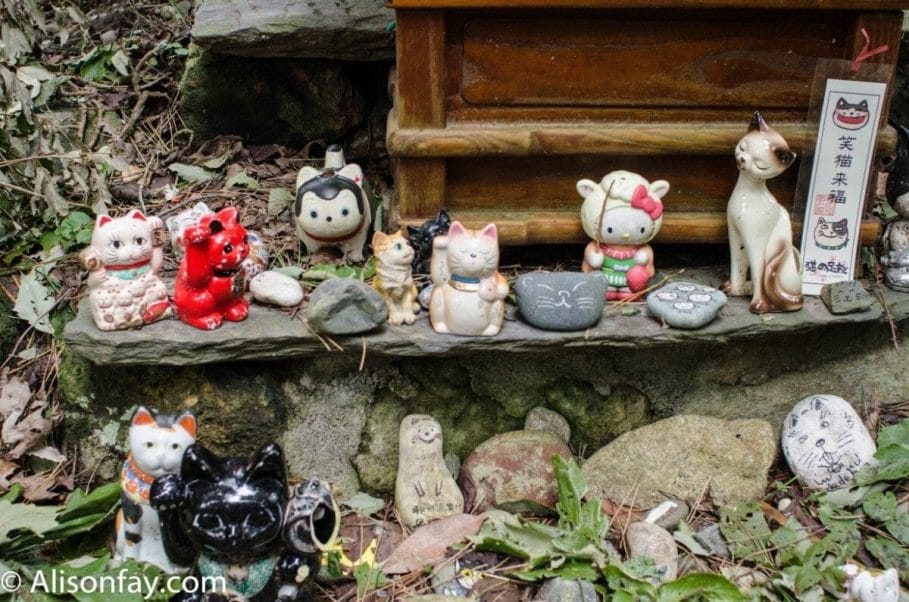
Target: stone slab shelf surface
{"points": [[271, 334]]}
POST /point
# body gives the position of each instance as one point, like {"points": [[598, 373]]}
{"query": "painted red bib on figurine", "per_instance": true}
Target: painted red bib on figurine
{"points": [[210, 286]]}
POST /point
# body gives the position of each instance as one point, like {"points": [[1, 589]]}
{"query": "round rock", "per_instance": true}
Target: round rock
{"points": [[549, 421], [345, 306], [275, 288], [686, 304], [646, 539], [513, 468], [825, 442], [566, 590], [561, 300]]}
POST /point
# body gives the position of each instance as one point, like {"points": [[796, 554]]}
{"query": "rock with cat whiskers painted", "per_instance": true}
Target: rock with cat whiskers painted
{"points": [[424, 488], [156, 445], [561, 300], [846, 297], [469, 293], [825, 442], [685, 304], [124, 264]]}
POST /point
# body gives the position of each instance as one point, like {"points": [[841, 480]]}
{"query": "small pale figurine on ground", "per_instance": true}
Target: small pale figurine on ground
{"points": [[760, 231], [468, 295], [156, 446], [424, 489], [394, 279], [621, 215], [124, 265]]}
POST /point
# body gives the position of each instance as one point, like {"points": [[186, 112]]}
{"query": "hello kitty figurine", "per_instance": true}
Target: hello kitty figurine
{"points": [[332, 208], [124, 265], [210, 282], [621, 214], [156, 446], [468, 295]]}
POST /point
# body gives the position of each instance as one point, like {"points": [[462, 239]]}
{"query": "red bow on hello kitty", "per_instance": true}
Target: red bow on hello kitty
{"points": [[641, 200]]}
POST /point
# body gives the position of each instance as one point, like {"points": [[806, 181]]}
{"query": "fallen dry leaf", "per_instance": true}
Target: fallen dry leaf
{"points": [[428, 544], [23, 434], [14, 395]]}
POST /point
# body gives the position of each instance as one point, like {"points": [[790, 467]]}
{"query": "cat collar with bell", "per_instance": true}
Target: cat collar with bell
{"points": [[463, 283]]}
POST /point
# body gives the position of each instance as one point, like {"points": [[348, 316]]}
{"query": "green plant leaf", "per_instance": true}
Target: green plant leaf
{"points": [[572, 488], [242, 179], [626, 586], [279, 199], [571, 570], [889, 553], [880, 506], [191, 173], [120, 62], [893, 465], [368, 577], [25, 517], [895, 434], [745, 530], [364, 504], [35, 302], [684, 536], [703, 587]]}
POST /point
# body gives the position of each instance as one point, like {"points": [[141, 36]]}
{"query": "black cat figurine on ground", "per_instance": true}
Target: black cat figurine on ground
{"points": [[227, 516], [421, 240]]}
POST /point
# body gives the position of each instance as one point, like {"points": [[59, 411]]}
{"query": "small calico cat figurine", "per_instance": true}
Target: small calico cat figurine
{"points": [[394, 279], [156, 446], [831, 236], [124, 265], [421, 238], [468, 295], [226, 516], [424, 488], [760, 232]]}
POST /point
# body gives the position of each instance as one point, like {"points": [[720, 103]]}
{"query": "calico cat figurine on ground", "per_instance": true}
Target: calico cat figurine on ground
{"points": [[156, 446], [124, 265], [421, 238], [394, 279], [760, 231], [226, 516], [468, 295], [210, 284]]}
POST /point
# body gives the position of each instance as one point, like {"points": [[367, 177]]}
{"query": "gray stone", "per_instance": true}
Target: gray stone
{"points": [[712, 539], [355, 30], [275, 288], [424, 296], [566, 590], [686, 304], [345, 306], [550, 421], [646, 539], [561, 300], [846, 297], [513, 468], [274, 101], [896, 274], [733, 457], [668, 514]]}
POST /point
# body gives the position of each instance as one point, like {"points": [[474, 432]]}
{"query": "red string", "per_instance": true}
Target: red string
{"points": [[865, 53]]}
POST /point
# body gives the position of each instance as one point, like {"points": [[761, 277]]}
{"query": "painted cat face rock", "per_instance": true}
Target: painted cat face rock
{"points": [[685, 305], [624, 207], [825, 442], [851, 116], [763, 153], [831, 235], [157, 441], [561, 300]]}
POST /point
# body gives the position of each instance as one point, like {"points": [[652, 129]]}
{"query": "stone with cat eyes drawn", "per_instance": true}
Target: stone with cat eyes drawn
{"points": [[424, 489], [825, 442], [561, 300], [846, 297], [685, 304]]}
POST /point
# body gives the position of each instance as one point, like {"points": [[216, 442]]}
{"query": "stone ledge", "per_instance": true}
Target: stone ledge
{"points": [[271, 334]]}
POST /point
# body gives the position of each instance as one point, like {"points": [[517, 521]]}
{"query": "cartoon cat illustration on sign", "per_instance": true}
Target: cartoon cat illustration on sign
{"points": [[831, 236]]}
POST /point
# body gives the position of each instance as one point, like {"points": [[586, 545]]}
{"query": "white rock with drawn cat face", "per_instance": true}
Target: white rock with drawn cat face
{"points": [[825, 442]]}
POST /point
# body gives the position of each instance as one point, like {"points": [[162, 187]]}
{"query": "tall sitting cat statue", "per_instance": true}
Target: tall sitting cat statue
{"points": [[332, 208], [760, 232], [156, 446], [124, 265], [394, 278], [468, 295], [210, 284], [621, 214]]}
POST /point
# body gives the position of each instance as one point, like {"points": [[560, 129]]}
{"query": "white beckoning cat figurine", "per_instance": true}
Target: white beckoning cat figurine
{"points": [[621, 215], [760, 231], [156, 446], [332, 209], [468, 295], [124, 266]]}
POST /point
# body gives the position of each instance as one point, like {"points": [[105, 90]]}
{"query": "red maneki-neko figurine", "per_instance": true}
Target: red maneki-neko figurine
{"points": [[622, 213], [210, 282]]}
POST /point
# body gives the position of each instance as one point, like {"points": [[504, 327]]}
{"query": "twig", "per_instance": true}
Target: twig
{"points": [[363, 355], [20, 189]]}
